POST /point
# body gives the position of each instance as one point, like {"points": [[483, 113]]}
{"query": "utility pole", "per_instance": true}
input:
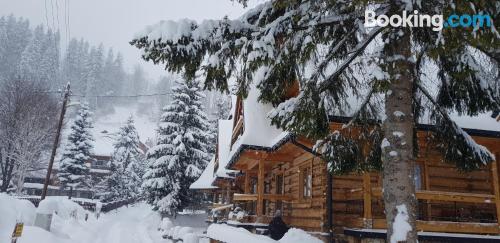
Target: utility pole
{"points": [[56, 141]]}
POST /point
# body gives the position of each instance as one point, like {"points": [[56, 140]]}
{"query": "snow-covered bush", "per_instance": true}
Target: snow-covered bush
{"points": [[165, 225]]}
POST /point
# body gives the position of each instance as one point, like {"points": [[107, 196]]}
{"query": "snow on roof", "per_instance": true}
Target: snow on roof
{"points": [[38, 186], [482, 122], [258, 130], [224, 143], [206, 178]]}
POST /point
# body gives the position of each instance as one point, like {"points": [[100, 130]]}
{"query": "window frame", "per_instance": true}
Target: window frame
{"points": [[302, 169]]}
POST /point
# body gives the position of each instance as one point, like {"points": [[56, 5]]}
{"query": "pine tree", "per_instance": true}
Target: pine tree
{"points": [[73, 170], [49, 63], [15, 36], [180, 154], [325, 47], [125, 180], [93, 71], [29, 67]]}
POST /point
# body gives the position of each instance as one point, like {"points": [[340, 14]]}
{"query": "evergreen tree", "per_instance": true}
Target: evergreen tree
{"points": [[73, 170], [93, 71], [180, 154], [127, 165], [29, 67], [15, 34], [49, 63], [325, 46]]}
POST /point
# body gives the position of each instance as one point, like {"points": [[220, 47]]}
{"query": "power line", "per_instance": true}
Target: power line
{"points": [[46, 15], [107, 96]]}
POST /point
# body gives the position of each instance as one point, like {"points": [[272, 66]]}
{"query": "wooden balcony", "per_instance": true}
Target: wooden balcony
{"points": [[368, 194]]}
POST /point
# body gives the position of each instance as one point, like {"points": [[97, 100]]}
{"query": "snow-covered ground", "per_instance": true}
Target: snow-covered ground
{"points": [[133, 224]]}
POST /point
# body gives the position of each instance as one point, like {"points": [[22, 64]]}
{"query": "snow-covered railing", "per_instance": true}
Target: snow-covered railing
{"points": [[87, 204]]}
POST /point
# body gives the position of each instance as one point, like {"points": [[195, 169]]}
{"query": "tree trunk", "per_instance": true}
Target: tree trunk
{"points": [[397, 158]]}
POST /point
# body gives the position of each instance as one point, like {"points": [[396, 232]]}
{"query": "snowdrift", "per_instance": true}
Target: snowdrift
{"points": [[13, 210], [62, 207], [229, 234]]}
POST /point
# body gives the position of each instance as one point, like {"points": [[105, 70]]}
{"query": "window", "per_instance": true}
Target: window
{"points": [[306, 182], [279, 190], [417, 177], [279, 184]]}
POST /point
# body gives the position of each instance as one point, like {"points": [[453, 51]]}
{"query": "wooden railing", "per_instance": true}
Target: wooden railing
{"points": [[253, 197], [366, 194]]}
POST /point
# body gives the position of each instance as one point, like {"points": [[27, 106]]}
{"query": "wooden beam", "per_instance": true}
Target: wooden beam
{"points": [[276, 197], [367, 201], [252, 164], [247, 182], [496, 187], [279, 157], [447, 196], [254, 197], [244, 197], [260, 188], [427, 186], [449, 227]]}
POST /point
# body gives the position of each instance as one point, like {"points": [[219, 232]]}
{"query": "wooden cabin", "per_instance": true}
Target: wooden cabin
{"points": [[275, 170]]}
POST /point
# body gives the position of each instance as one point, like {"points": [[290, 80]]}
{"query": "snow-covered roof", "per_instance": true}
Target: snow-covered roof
{"points": [[258, 129], [206, 178], [482, 122], [224, 143]]}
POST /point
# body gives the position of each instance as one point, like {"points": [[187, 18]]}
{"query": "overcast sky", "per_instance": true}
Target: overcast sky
{"points": [[114, 22]]}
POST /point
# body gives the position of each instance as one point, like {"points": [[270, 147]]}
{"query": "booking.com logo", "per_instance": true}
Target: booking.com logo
{"points": [[437, 22]]}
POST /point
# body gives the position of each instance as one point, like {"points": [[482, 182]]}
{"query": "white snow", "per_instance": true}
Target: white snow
{"points": [[399, 114], [295, 235], [11, 211], [229, 234], [400, 227], [63, 207], [393, 153], [224, 143], [398, 134], [109, 124], [385, 143], [258, 129], [38, 186]]}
